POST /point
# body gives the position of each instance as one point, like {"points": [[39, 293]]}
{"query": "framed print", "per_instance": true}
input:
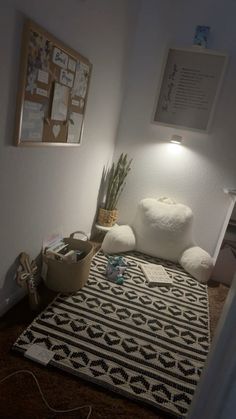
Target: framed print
{"points": [[53, 91], [189, 88]]}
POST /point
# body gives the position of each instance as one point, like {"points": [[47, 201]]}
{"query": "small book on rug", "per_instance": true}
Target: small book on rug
{"points": [[156, 275]]}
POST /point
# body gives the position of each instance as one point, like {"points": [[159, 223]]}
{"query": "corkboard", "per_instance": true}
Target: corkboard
{"points": [[53, 90]]}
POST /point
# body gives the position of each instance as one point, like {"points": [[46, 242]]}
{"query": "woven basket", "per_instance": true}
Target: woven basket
{"points": [[107, 218], [69, 277]]}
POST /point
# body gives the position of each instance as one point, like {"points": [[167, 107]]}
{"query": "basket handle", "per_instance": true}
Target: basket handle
{"points": [[79, 232]]}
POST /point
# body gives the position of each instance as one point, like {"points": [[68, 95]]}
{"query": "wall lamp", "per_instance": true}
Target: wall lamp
{"points": [[176, 139]]}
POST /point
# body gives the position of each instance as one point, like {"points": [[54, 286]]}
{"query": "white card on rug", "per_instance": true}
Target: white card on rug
{"points": [[156, 274], [39, 354]]}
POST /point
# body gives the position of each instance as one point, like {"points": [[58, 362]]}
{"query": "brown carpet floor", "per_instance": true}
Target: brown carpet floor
{"points": [[20, 398]]}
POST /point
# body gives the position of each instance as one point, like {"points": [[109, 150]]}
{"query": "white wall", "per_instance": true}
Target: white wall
{"points": [[43, 189], [215, 397], [195, 173]]}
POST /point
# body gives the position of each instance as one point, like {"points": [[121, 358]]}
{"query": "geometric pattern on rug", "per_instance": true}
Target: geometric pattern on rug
{"points": [[148, 344]]}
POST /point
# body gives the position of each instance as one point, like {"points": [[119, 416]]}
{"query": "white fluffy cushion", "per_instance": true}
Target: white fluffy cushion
{"points": [[119, 239], [163, 228], [198, 263]]}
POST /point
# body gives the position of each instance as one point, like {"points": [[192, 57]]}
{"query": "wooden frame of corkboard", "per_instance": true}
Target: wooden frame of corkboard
{"points": [[53, 91]]}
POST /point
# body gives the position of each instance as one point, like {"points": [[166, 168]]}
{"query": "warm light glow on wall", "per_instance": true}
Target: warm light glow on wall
{"points": [[175, 148]]}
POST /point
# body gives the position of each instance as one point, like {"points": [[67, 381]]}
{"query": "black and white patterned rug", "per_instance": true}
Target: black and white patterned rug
{"points": [[148, 344]]}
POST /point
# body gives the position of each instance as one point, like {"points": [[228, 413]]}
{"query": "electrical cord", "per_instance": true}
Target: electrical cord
{"points": [[42, 395]]}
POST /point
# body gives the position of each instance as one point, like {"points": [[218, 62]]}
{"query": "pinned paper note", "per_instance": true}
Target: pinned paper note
{"points": [[32, 121], [75, 102], [67, 78], [43, 76], [41, 92], [81, 80], [74, 128], [71, 65], [60, 58], [60, 102]]}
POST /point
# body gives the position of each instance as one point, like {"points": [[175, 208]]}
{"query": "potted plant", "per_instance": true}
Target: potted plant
{"points": [[108, 214]]}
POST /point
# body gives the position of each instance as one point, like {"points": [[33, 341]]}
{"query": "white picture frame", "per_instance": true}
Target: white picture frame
{"points": [[189, 87]]}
